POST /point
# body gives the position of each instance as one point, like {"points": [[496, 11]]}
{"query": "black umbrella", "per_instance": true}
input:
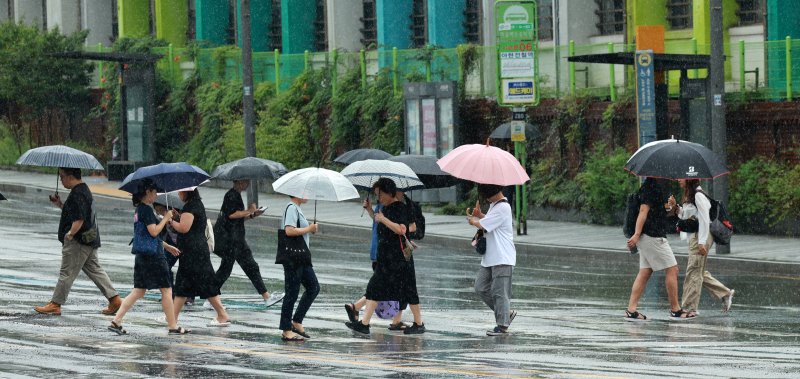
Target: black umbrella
{"points": [[167, 177], [59, 156], [504, 131], [676, 159], [2, 197], [361, 155], [427, 170], [249, 168]]}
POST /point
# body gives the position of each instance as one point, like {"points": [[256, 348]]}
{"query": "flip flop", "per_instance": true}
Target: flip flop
{"points": [[180, 330], [274, 298], [302, 333], [296, 338], [214, 323], [117, 328]]}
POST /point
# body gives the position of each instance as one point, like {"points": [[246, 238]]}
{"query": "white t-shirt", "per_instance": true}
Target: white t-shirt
{"points": [[293, 212], [500, 248]]}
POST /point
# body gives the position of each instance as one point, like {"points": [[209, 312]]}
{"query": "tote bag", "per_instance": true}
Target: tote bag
{"points": [[292, 250]]}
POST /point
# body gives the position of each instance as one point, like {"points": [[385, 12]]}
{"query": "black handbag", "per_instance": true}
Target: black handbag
{"points": [[292, 250], [479, 241]]}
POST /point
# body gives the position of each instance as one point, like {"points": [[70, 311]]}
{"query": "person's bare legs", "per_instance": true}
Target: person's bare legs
{"points": [[638, 288], [168, 308], [671, 282], [369, 311], [222, 315], [360, 303], [177, 305], [398, 318], [417, 313], [127, 303]]}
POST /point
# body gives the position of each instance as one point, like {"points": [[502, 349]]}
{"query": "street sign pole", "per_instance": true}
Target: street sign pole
{"points": [[716, 74], [247, 98]]}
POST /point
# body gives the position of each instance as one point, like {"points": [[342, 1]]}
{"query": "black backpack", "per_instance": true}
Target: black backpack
{"points": [[721, 226], [631, 214], [418, 218]]}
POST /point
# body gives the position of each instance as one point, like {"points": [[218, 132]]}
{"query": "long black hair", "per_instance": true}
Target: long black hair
{"points": [[191, 195], [141, 192]]}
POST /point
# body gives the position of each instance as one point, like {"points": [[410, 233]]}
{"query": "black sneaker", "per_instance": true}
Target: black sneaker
{"points": [[358, 327], [497, 331], [415, 329]]}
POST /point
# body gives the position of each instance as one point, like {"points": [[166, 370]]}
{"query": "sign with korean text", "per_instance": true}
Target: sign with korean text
{"points": [[645, 97], [517, 58]]}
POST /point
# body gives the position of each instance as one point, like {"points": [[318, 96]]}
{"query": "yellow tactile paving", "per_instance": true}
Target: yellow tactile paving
{"points": [[108, 190]]}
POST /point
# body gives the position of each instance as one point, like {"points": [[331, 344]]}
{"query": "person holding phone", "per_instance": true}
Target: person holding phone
{"points": [[231, 245]]}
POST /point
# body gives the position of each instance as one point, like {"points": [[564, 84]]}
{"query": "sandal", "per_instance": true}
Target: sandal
{"points": [[180, 330], [300, 332], [295, 338], [398, 326], [681, 315], [117, 328], [634, 316]]}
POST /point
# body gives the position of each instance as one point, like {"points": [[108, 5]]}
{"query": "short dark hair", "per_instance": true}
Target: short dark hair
{"points": [[141, 191], [386, 185], [73, 172], [191, 195], [486, 191]]}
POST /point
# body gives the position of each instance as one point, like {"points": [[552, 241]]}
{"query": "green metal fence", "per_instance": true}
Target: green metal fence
{"points": [[758, 69]]}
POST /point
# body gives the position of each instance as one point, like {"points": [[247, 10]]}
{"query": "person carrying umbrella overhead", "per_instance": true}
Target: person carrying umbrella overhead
{"points": [[80, 237]]}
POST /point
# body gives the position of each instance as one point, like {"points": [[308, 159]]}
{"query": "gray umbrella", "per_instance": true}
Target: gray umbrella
{"points": [[504, 131], [427, 170], [59, 156], [361, 155], [249, 168], [171, 200]]}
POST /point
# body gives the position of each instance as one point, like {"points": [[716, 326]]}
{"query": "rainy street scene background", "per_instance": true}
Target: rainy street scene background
{"points": [[604, 135]]}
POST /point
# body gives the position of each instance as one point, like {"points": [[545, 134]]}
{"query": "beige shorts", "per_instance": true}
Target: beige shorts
{"points": [[655, 253]]}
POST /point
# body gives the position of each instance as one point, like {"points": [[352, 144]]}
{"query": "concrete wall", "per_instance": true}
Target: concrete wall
{"points": [[577, 21], [446, 22], [394, 25], [211, 21], [260, 20], [344, 24], [133, 17], [96, 17], [29, 11], [753, 37], [64, 15], [783, 21], [4, 16], [297, 25], [172, 21]]}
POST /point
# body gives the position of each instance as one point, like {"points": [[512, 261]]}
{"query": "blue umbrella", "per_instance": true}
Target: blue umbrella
{"points": [[167, 177]]}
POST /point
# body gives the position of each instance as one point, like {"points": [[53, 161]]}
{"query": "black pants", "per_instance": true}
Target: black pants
{"points": [[293, 278], [241, 254]]}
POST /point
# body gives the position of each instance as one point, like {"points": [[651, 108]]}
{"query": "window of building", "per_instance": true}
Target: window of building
{"points": [[472, 21], [751, 12], [232, 22], [419, 24], [44, 14], [11, 10], [321, 27], [275, 34], [544, 15], [114, 23], [611, 17], [369, 26], [191, 29], [679, 14]]}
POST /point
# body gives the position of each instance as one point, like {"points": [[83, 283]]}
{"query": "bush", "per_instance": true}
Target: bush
{"points": [[749, 200], [550, 186], [605, 184]]}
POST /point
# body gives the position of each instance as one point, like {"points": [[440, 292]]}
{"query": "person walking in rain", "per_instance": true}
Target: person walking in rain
{"points": [[150, 271], [297, 273], [697, 206], [493, 281], [655, 254], [195, 273], [394, 278], [231, 245], [80, 237]]}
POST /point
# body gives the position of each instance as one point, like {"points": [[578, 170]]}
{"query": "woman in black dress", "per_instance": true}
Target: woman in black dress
{"points": [[150, 271], [394, 278], [195, 273]]}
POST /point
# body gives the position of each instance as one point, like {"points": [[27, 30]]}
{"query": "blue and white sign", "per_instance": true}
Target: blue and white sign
{"points": [[645, 96], [518, 91]]}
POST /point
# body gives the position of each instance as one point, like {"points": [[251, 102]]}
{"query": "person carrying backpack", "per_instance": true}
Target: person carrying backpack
{"points": [[697, 205]]}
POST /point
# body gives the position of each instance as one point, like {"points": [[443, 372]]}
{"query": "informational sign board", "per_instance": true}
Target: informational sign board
{"points": [[645, 97], [518, 131], [517, 54]]}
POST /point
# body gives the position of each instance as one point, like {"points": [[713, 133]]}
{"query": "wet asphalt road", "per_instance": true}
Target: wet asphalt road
{"points": [[569, 325]]}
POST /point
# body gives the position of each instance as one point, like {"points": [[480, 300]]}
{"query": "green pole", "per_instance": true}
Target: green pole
{"points": [[612, 81], [461, 80], [524, 160], [363, 62], [171, 55], [277, 56], [517, 200], [741, 66], [395, 73], [571, 68], [789, 68], [428, 67], [100, 65], [305, 60], [694, 51], [335, 73]]}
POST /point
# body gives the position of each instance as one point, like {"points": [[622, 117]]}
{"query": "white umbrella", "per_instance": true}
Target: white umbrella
{"points": [[365, 173], [315, 183]]}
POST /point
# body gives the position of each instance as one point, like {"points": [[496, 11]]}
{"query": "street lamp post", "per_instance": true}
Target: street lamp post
{"points": [[719, 137]]}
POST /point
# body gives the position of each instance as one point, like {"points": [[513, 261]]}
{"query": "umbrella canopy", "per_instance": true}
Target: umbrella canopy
{"points": [[59, 156], [504, 130], [170, 200], [427, 170], [2, 197], [360, 155], [676, 159], [249, 168], [365, 173], [167, 177], [483, 164], [315, 183]]}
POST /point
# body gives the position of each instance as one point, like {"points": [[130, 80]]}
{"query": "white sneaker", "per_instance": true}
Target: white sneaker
{"points": [[274, 298], [727, 301]]}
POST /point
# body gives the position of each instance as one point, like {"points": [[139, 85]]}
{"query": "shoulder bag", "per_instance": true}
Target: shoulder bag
{"points": [[143, 242], [292, 250]]}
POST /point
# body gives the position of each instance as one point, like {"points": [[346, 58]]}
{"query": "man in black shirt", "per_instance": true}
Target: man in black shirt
{"points": [[655, 254], [80, 238]]}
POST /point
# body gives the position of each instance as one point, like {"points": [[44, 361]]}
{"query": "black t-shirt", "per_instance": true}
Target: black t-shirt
{"points": [[78, 206], [147, 216], [232, 203], [656, 223]]}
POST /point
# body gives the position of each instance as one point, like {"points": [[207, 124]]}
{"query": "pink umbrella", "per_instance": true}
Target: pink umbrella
{"points": [[483, 164]]}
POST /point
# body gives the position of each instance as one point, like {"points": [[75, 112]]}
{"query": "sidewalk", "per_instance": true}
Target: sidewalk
{"points": [[446, 229]]}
